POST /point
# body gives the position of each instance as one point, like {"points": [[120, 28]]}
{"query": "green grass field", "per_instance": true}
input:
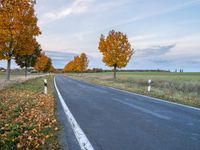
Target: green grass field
{"points": [[177, 87]]}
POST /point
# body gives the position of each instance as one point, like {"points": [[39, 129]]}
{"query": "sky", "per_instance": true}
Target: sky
{"points": [[165, 34]]}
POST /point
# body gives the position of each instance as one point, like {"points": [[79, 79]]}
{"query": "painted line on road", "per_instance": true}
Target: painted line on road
{"points": [[143, 109], [153, 98], [80, 135]]}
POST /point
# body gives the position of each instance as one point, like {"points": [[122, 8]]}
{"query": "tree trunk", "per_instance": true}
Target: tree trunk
{"points": [[114, 73], [8, 69], [26, 71]]}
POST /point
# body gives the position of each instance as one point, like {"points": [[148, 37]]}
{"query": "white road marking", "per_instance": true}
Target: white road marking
{"points": [[80, 135], [153, 98], [143, 109]]}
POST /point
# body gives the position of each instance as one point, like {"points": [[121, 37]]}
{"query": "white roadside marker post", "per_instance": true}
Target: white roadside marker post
{"points": [[149, 87], [45, 86]]}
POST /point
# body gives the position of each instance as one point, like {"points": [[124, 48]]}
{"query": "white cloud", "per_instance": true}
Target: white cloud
{"points": [[142, 37], [153, 13], [77, 7], [183, 49], [147, 22], [187, 46]]}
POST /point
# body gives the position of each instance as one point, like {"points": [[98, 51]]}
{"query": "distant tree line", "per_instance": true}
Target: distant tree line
{"points": [[95, 70], [139, 70], [181, 70]]}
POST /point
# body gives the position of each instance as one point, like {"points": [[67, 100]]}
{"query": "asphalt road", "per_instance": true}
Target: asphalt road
{"points": [[116, 120]]}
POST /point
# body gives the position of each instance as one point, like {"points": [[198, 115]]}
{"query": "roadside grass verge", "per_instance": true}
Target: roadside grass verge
{"points": [[27, 116], [181, 88]]}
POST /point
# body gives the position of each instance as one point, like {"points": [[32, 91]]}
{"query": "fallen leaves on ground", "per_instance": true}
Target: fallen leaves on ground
{"points": [[27, 120]]}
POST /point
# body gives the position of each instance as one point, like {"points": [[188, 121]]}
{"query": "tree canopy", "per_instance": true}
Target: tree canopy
{"points": [[78, 64], [116, 50], [18, 29], [26, 61], [43, 63]]}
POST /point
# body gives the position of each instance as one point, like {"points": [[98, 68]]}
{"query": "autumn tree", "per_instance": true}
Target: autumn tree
{"points": [[43, 63], [27, 61], [69, 67], [78, 64], [48, 65], [83, 62], [52, 69], [18, 29], [116, 50]]}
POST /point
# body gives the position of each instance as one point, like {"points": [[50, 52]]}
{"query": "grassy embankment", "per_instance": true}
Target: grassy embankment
{"points": [[12, 76], [16, 75], [182, 88], [27, 116]]}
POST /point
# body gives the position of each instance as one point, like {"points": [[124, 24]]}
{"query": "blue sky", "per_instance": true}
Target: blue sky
{"points": [[164, 33]]}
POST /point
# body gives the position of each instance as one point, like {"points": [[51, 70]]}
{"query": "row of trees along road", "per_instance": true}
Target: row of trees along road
{"points": [[116, 50], [43, 63], [18, 32], [26, 61], [78, 64]]}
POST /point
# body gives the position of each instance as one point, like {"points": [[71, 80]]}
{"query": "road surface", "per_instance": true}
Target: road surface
{"points": [[117, 120]]}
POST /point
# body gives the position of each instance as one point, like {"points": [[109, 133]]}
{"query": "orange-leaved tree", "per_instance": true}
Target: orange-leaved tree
{"points": [[116, 50], [83, 62], [28, 60], [18, 29], [43, 63], [69, 67], [78, 64]]}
